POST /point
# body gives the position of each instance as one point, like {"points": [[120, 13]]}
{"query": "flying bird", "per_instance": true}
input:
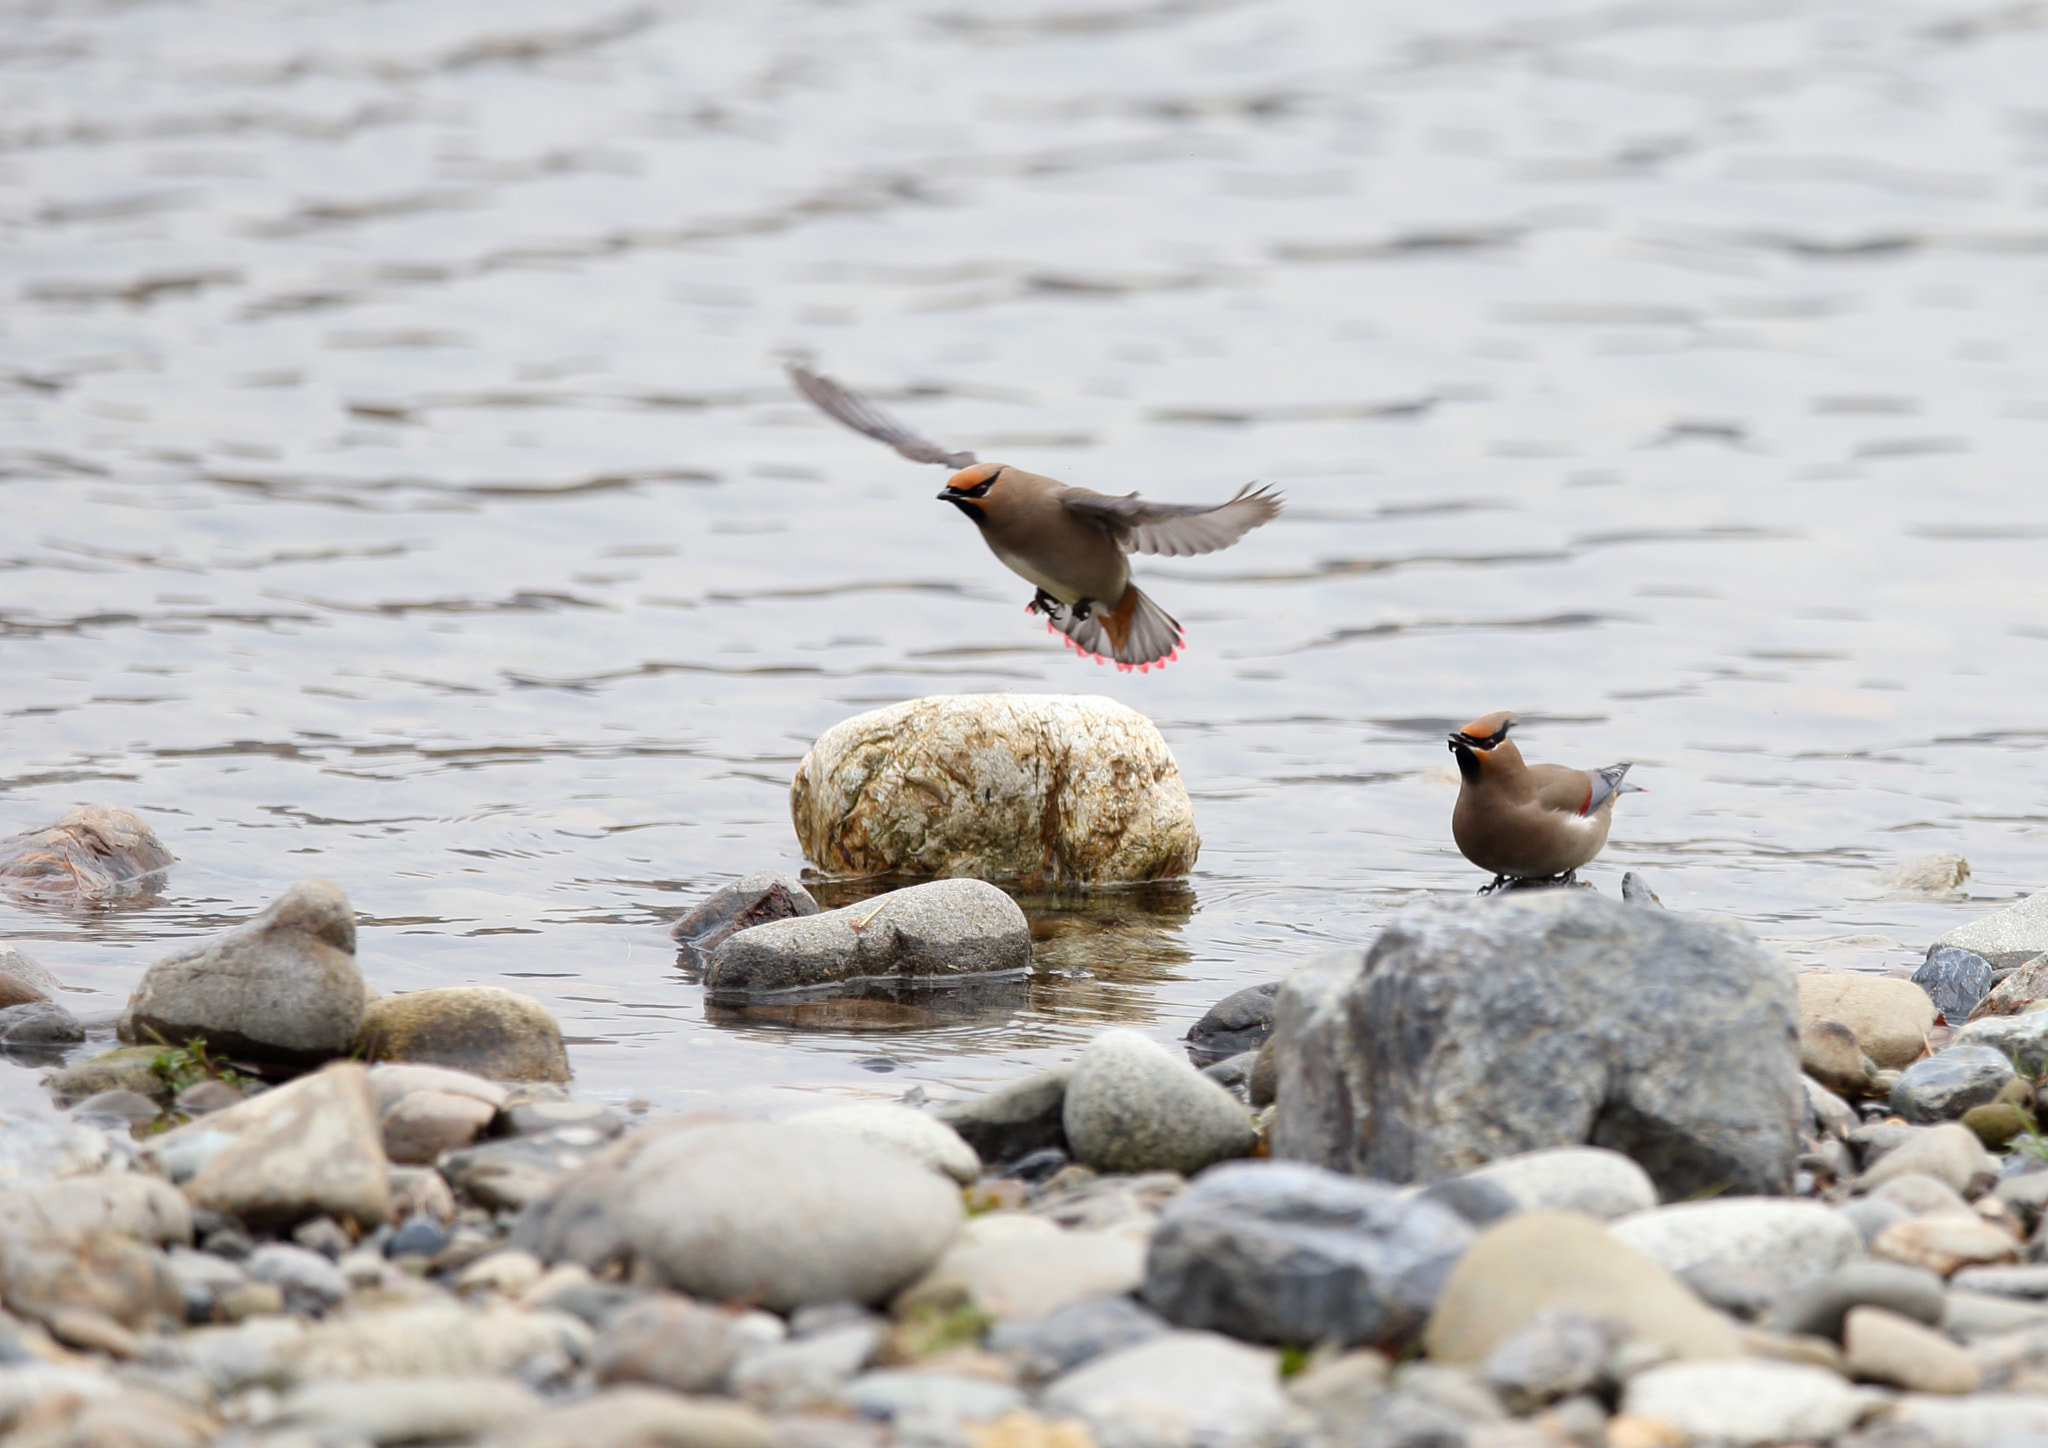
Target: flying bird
{"points": [[1069, 543], [1528, 821]]}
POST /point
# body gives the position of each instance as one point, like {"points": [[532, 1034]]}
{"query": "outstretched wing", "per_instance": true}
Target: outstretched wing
{"points": [[1176, 530], [863, 416]]}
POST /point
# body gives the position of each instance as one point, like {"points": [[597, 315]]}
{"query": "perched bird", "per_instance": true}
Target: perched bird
{"points": [[1068, 542], [1528, 821]]}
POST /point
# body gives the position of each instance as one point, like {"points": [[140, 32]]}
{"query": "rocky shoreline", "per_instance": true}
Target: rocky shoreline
{"points": [[1546, 1168]]}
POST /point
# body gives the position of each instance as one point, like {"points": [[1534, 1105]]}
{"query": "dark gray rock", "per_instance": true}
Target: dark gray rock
{"points": [[39, 1023], [1016, 1120], [751, 900], [1476, 1029], [417, 1236], [1475, 1199], [1818, 1309], [1955, 980], [1942, 1087], [1241, 1021], [283, 987], [1045, 1347], [1234, 1074], [927, 934], [1287, 1253]]}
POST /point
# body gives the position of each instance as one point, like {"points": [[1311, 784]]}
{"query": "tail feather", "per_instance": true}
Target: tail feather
{"points": [[1608, 781], [1136, 634]]}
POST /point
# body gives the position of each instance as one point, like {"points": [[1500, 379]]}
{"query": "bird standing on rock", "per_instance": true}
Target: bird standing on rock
{"points": [[1069, 542], [1535, 822]]}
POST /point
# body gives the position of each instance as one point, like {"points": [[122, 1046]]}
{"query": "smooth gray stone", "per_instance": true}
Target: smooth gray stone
{"points": [[1134, 1106], [1560, 1351], [929, 1401], [1871, 1215], [514, 1171], [1942, 1087], [927, 934], [2011, 936], [2027, 1284], [1234, 1074], [1475, 1199], [534, 1118], [129, 1108], [1283, 1252], [1819, 1308], [1239, 1022], [39, 1023], [1015, 1120], [753, 899], [1971, 1315], [805, 1372], [1955, 980], [783, 1216], [1600, 1183], [1177, 1390], [310, 1282], [1477, 1029], [1739, 1289], [1045, 1347], [282, 987], [2023, 1038], [1874, 1139]]}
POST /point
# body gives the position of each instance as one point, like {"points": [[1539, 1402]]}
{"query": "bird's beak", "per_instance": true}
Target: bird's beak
{"points": [[1457, 740], [943, 494]]}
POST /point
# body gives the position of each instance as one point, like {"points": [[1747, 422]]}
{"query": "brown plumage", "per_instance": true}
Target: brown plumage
{"points": [[1528, 821], [1070, 543]]}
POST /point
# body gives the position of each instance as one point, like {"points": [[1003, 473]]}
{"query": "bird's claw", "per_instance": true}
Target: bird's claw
{"points": [[1530, 882]]}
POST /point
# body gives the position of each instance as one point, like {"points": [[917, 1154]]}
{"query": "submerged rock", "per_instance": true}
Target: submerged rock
{"points": [[1056, 788], [94, 854], [497, 1034], [1479, 1029], [39, 1023], [1285, 1253], [1134, 1106], [283, 987], [22, 979], [2011, 936], [753, 899], [927, 934], [1241, 1021], [1937, 874]]}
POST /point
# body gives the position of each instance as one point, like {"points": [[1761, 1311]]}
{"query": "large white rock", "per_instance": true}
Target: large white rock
{"points": [[1052, 787], [1132, 1106], [1796, 1242], [1747, 1402], [1177, 1390], [783, 1216]]}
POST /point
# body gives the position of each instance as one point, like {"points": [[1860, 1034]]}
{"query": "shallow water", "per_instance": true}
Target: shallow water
{"points": [[400, 486]]}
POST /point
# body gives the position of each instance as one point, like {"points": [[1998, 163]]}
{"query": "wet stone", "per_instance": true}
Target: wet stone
{"points": [[282, 987], [1944, 1086], [95, 853], [929, 934], [1937, 874], [753, 899], [126, 1068], [39, 1023], [1241, 1021], [1051, 787], [1955, 980], [497, 1034], [121, 1109], [1283, 1252], [1133, 1106]]}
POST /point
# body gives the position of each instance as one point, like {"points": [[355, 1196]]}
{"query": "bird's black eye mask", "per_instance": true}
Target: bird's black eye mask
{"points": [[1472, 742], [979, 490]]}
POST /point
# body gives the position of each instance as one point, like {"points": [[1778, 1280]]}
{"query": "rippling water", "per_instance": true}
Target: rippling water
{"points": [[400, 485]]}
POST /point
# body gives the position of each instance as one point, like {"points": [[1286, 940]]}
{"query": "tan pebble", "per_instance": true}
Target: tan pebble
{"points": [[508, 1272], [1028, 1430], [1628, 1430], [1885, 1347], [250, 1299], [1945, 1242]]}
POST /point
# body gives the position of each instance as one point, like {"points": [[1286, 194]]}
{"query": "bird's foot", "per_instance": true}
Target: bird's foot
{"points": [[1504, 883], [1045, 603]]}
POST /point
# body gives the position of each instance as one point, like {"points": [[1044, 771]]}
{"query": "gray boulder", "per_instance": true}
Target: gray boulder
{"points": [[1476, 1029], [1942, 1087], [39, 1023], [283, 987], [2011, 936], [1134, 1106], [753, 899], [926, 934], [1285, 1253], [1241, 1021]]}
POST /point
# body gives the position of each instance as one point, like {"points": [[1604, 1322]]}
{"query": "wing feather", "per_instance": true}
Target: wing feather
{"points": [[1174, 530], [863, 416]]}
